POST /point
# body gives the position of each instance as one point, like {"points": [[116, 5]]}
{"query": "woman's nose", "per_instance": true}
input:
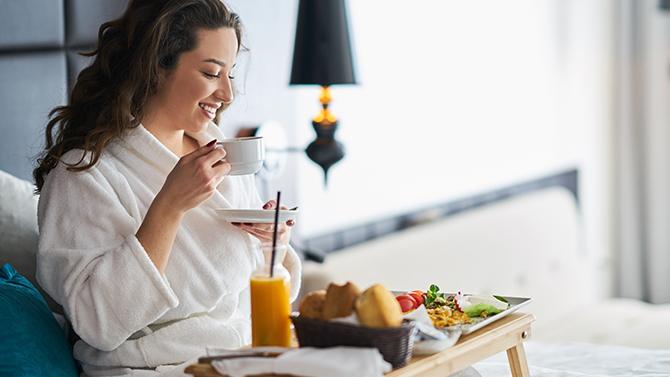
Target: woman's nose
{"points": [[225, 91]]}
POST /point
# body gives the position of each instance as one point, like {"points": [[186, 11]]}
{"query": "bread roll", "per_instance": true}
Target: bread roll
{"points": [[340, 300], [311, 305], [377, 307]]}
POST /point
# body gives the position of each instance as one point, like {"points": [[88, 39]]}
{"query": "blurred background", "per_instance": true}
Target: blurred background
{"points": [[453, 100]]}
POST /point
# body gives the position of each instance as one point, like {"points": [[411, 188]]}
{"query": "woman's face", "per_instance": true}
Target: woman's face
{"points": [[190, 94]]}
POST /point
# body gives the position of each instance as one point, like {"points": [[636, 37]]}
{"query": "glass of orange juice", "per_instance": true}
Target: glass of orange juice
{"points": [[270, 302]]}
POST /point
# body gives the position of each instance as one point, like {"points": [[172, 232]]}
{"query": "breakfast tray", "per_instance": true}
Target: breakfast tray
{"points": [[507, 335]]}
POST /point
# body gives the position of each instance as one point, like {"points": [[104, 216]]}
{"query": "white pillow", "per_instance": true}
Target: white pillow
{"points": [[18, 228]]}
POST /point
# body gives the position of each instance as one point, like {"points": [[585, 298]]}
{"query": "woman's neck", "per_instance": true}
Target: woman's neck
{"points": [[173, 139]]}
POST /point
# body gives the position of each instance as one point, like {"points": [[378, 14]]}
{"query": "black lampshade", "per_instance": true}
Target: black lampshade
{"points": [[322, 49]]}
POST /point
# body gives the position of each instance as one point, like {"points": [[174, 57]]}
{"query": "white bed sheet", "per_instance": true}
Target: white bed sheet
{"points": [[582, 360], [615, 321]]}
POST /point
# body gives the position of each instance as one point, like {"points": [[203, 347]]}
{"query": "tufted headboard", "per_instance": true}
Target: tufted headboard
{"points": [[39, 45]]}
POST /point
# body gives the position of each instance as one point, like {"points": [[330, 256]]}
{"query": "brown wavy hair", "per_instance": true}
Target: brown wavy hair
{"points": [[109, 95]]}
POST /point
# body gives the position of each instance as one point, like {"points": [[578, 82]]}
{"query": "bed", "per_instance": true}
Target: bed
{"points": [[569, 359], [524, 240], [530, 232]]}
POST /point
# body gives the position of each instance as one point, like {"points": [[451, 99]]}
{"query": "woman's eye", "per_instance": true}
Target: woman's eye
{"points": [[231, 76], [211, 75]]}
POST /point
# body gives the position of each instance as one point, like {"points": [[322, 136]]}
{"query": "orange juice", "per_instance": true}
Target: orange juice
{"points": [[270, 310]]}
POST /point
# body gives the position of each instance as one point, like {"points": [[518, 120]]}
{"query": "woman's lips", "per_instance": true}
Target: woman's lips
{"points": [[210, 111], [208, 114]]}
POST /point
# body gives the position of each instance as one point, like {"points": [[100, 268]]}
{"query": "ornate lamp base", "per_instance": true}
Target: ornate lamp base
{"points": [[325, 151]]}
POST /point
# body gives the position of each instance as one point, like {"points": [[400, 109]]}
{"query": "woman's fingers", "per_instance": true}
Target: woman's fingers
{"points": [[200, 151], [212, 157], [270, 227], [266, 227], [262, 232], [221, 169], [272, 204]]}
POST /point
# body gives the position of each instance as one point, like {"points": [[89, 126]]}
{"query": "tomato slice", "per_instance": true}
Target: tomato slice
{"points": [[406, 302], [417, 296]]}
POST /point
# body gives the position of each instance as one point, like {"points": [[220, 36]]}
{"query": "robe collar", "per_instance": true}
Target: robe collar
{"points": [[145, 144]]}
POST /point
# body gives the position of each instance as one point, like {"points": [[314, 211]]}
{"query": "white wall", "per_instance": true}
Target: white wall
{"points": [[262, 76], [455, 97]]}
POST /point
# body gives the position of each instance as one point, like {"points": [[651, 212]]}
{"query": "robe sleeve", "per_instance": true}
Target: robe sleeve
{"points": [[90, 261]]}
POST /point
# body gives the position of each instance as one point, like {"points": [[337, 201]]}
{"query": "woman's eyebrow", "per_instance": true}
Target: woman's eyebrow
{"points": [[215, 61]]}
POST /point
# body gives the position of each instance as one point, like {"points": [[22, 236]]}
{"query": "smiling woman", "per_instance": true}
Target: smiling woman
{"points": [[130, 243], [191, 93], [135, 69]]}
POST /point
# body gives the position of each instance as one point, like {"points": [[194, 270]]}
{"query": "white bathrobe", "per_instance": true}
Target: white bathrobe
{"points": [[132, 319]]}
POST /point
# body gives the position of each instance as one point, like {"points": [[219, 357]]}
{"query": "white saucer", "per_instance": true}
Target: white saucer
{"points": [[256, 215]]}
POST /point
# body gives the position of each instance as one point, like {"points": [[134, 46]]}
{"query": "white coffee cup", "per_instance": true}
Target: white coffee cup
{"points": [[244, 154]]}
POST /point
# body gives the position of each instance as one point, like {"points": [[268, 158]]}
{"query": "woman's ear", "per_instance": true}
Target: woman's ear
{"points": [[167, 62]]}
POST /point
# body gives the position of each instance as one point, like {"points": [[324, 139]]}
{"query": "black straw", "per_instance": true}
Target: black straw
{"points": [[274, 236]]}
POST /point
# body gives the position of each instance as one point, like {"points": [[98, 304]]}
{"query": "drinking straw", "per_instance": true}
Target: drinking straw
{"points": [[274, 236]]}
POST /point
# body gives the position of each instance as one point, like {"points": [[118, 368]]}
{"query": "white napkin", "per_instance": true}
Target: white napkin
{"points": [[308, 362], [430, 340]]}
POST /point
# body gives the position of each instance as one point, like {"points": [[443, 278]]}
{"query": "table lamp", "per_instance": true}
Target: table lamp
{"points": [[322, 56]]}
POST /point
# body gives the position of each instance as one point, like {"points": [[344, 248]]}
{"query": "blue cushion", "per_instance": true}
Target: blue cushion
{"points": [[32, 343]]}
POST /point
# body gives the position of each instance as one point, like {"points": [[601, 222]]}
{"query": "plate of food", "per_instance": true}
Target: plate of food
{"points": [[467, 312], [266, 216]]}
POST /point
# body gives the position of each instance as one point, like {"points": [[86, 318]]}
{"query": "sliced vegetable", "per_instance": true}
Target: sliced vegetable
{"points": [[501, 298], [491, 300], [418, 297], [434, 298], [406, 302], [481, 310]]}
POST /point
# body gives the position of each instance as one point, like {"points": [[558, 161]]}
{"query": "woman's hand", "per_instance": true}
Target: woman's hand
{"points": [[192, 181], [195, 177], [264, 231]]}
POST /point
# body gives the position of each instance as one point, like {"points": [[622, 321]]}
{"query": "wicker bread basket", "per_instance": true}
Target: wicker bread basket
{"points": [[395, 344]]}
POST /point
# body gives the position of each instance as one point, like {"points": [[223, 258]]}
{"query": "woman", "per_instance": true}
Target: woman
{"points": [[130, 243]]}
